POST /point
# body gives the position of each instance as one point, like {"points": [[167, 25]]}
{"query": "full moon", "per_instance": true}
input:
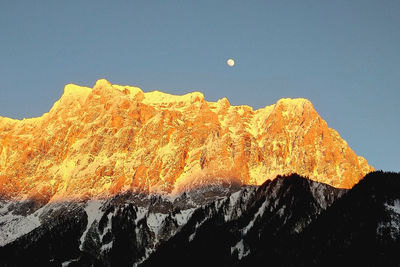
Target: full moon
{"points": [[230, 62]]}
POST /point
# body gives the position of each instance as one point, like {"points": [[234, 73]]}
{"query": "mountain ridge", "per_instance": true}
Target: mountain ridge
{"points": [[288, 221], [130, 229], [112, 138]]}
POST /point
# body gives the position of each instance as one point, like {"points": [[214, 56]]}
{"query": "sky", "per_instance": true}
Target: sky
{"points": [[342, 55]]}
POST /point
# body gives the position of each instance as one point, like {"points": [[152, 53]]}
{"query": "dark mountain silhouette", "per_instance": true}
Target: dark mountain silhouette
{"points": [[289, 221]]}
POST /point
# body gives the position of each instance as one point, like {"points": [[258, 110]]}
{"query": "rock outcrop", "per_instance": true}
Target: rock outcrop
{"points": [[109, 139]]}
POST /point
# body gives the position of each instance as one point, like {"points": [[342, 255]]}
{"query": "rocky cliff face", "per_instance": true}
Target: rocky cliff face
{"points": [[110, 139]]}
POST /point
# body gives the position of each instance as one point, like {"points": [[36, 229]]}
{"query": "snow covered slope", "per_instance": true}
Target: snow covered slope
{"points": [[131, 229], [289, 221]]}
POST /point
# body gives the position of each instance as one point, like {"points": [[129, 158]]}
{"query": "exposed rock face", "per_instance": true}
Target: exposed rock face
{"points": [[101, 141]]}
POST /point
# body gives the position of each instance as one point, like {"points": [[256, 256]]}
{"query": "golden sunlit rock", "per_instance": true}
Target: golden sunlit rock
{"points": [[109, 139]]}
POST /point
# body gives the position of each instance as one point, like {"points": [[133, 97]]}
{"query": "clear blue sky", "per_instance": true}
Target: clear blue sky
{"points": [[342, 55]]}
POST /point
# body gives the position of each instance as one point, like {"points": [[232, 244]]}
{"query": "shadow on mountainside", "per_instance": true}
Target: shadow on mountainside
{"points": [[289, 221]]}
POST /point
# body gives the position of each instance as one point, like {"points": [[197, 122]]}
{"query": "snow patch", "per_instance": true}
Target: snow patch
{"points": [[67, 263], [392, 225], [234, 210], [107, 246], [4, 208], [155, 221], [233, 198], [147, 252], [192, 236], [14, 226], [241, 250], [105, 231], [395, 207], [259, 213], [183, 217], [94, 213], [140, 214], [198, 224]]}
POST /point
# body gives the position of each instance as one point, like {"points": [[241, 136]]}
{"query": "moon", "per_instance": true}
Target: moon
{"points": [[230, 62]]}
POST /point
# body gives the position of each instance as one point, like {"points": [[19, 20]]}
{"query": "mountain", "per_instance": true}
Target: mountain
{"points": [[358, 227], [362, 228], [289, 221], [133, 229], [101, 142], [278, 212], [114, 176]]}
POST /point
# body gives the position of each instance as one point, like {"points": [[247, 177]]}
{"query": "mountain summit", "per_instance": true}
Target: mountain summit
{"points": [[110, 139]]}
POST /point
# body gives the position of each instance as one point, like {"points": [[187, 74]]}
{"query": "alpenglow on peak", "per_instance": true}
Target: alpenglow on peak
{"points": [[110, 139]]}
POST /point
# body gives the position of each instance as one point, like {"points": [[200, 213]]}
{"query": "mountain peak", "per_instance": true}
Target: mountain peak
{"points": [[157, 97], [76, 90], [113, 138], [294, 104], [294, 101], [102, 83], [75, 93]]}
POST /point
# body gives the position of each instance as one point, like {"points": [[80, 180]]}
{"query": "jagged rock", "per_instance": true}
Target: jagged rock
{"points": [[111, 139]]}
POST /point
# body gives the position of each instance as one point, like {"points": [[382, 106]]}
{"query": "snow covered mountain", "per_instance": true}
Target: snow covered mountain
{"points": [[113, 176], [289, 221], [133, 229]]}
